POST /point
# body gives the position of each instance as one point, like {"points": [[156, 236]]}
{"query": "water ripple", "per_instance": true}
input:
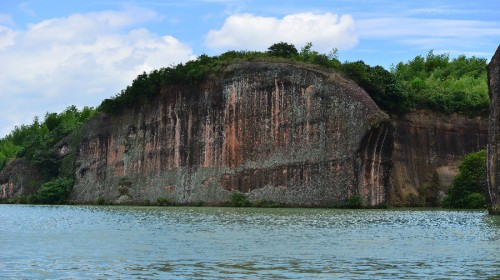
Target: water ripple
{"points": [[102, 242]]}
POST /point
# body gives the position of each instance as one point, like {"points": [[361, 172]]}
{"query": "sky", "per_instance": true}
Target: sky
{"points": [[54, 54]]}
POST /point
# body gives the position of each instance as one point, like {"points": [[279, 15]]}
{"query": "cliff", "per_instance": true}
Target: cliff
{"points": [[493, 151], [18, 178], [273, 131], [428, 147]]}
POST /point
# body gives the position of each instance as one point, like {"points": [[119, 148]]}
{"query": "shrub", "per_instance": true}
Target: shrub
{"points": [[468, 186], [162, 201], [267, 204], [354, 202], [55, 191], [238, 199], [101, 201], [475, 201], [282, 49]]}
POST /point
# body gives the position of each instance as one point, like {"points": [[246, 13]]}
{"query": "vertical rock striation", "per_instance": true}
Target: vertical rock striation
{"points": [[274, 131], [428, 147], [493, 151], [18, 178]]}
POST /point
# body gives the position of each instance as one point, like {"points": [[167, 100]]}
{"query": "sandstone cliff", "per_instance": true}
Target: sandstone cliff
{"points": [[493, 152], [428, 147], [18, 178], [273, 131]]}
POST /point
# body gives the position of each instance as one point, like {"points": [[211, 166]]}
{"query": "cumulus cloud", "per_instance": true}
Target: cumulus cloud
{"points": [[247, 31], [80, 59]]}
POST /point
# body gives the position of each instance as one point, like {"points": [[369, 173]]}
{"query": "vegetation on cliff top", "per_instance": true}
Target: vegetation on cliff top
{"points": [[380, 84], [433, 82], [447, 85]]}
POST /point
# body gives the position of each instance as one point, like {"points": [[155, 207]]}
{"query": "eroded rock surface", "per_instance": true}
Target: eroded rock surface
{"points": [[18, 178], [428, 147], [493, 152], [273, 131]]}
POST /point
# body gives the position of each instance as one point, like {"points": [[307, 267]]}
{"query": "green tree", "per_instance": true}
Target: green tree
{"points": [[387, 92], [283, 49], [469, 185], [447, 85], [55, 191]]}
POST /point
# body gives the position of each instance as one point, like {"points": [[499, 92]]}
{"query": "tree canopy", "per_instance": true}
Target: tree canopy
{"points": [[36, 140], [468, 186], [447, 85]]}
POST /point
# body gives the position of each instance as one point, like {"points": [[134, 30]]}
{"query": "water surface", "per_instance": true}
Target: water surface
{"points": [[99, 242]]}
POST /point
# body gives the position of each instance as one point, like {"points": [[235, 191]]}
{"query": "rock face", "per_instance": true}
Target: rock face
{"points": [[18, 178], [428, 147], [273, 131], [493, 152]]}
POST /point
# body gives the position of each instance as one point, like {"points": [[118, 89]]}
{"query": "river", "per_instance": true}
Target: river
{"points": [[103, 242]]}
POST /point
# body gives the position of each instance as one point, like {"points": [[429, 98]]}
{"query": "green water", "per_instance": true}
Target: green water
{"points": [[93, 242]]}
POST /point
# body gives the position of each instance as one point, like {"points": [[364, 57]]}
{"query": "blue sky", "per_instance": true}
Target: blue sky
{"points": [[58, 53]]}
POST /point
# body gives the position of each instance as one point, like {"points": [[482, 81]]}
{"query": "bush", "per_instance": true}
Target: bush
{"points": [[282, 49], [354, 202], [238, 199], [55, 191], [267, 204], [162, 201], [468, 186], [475, 201], [101, 201]]}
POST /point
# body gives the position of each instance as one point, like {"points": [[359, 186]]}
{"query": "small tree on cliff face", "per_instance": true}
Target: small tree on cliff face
{"points": [[283, 49], [468, 186]]}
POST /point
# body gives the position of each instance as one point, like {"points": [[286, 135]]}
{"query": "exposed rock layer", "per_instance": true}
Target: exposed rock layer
{"points": [[273, 131], [428, 147], [18, 178], [493, 152]]}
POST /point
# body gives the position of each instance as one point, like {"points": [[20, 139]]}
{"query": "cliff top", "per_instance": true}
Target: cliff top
{"points": [[376, 81]]}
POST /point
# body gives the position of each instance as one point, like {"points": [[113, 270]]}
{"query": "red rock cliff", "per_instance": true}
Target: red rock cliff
{"points": [[18, 178], [273, 131], [428, 147], [493, 152]]}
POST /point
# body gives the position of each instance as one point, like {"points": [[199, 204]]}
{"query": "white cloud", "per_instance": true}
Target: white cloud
{"points": [[80, 59], [6, 36], [24, 7], [6, 19], [247, 31], [430, 33]]}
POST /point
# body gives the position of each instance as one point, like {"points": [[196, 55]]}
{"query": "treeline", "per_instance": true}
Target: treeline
{"points": [[433, 82], [447, 85], [35, 143], [147, 85]]}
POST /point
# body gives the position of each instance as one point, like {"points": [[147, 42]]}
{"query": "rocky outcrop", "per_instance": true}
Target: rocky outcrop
{"points": [[428, 147], [273, 131], [493, 151], [18, 178]]}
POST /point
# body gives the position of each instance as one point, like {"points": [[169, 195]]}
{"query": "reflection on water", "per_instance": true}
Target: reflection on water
{"points": [[241, 243]]}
